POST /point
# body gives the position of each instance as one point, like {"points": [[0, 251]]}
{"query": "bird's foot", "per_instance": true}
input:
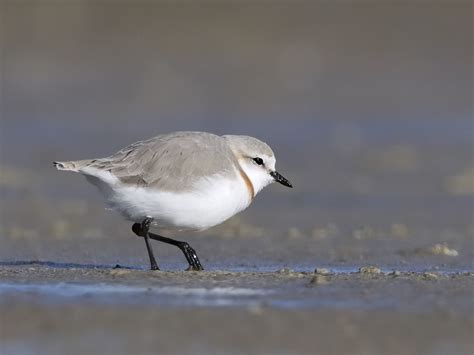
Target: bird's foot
{"points": [[191, 257]]}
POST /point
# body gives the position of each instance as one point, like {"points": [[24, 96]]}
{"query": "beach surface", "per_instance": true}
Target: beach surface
{"points": [[52, 308]]}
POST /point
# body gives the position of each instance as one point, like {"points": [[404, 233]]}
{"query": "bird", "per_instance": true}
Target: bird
{"points": [[181, 181]]}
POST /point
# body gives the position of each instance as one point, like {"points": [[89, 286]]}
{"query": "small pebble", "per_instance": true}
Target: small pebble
{"points": [[285, 271], [119, 272], [369, 270], [321, 271], [318, 280], [442, 249], [430, 276]]}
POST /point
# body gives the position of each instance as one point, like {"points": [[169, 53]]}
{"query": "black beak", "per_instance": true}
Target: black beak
{"points": [[279, 178]]}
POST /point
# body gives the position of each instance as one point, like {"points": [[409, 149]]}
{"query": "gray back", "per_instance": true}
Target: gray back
{"points": [[171, 162]]}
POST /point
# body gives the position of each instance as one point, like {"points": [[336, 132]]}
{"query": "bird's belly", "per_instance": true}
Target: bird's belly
{"points": [[212, 202]]}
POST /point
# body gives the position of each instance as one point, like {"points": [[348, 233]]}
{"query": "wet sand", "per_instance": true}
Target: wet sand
{"points": [[55, 309]]}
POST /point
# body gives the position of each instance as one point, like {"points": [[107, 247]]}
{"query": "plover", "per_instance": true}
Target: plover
{"points": [[186, 181]]}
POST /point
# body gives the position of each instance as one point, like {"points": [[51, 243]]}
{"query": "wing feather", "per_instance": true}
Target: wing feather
{"points": [[171, 162]]}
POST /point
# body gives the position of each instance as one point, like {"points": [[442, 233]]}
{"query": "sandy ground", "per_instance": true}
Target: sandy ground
{"points": [[55, 309]]}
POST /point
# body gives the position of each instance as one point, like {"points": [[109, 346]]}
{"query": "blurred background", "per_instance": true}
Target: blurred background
{"points": [[367, 105]]}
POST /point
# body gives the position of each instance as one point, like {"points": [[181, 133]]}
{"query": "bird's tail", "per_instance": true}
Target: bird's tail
{"points": [[71, 165]]}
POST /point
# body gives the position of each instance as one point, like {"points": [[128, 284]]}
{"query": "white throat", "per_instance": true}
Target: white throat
{"points": [[258, 176]]}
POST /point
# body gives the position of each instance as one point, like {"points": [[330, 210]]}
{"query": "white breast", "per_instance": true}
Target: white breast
{"points": [[211, 202]]}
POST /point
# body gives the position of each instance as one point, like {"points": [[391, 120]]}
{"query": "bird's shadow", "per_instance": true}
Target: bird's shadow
{"points": [[60, 265]]}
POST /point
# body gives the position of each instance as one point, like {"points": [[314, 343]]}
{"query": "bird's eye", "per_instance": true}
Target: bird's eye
{"points": [[258, 161]]}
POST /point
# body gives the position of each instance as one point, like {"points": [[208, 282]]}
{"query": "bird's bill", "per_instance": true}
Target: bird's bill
{"points": [[279, 178]]}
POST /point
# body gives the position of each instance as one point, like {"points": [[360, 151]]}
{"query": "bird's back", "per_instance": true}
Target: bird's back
{"points": [[170, 162]]}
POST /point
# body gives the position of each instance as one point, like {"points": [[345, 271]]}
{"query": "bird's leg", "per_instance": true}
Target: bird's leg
{"points": [[189, 253], [141, 229]]}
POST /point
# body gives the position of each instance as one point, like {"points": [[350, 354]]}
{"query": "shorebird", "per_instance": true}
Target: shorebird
{"points": [[182, 181]]}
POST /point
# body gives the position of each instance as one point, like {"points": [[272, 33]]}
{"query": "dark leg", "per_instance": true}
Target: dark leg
{"points": [[189, 253], [142, 231]]}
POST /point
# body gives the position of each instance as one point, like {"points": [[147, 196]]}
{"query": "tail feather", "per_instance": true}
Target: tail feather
{"points": [[70, 165]]}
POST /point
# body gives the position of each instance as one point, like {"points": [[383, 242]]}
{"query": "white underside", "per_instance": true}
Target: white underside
{"points": [[212, 201]]}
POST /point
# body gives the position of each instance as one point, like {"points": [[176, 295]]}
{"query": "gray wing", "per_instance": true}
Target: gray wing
{"points": [[170, 162]]}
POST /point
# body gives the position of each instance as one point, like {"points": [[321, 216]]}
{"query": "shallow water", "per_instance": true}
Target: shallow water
{"points": [[129, 294]]}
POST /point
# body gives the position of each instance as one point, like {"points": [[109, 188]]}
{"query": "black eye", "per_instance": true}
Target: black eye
{"points": [[258, 161]]}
